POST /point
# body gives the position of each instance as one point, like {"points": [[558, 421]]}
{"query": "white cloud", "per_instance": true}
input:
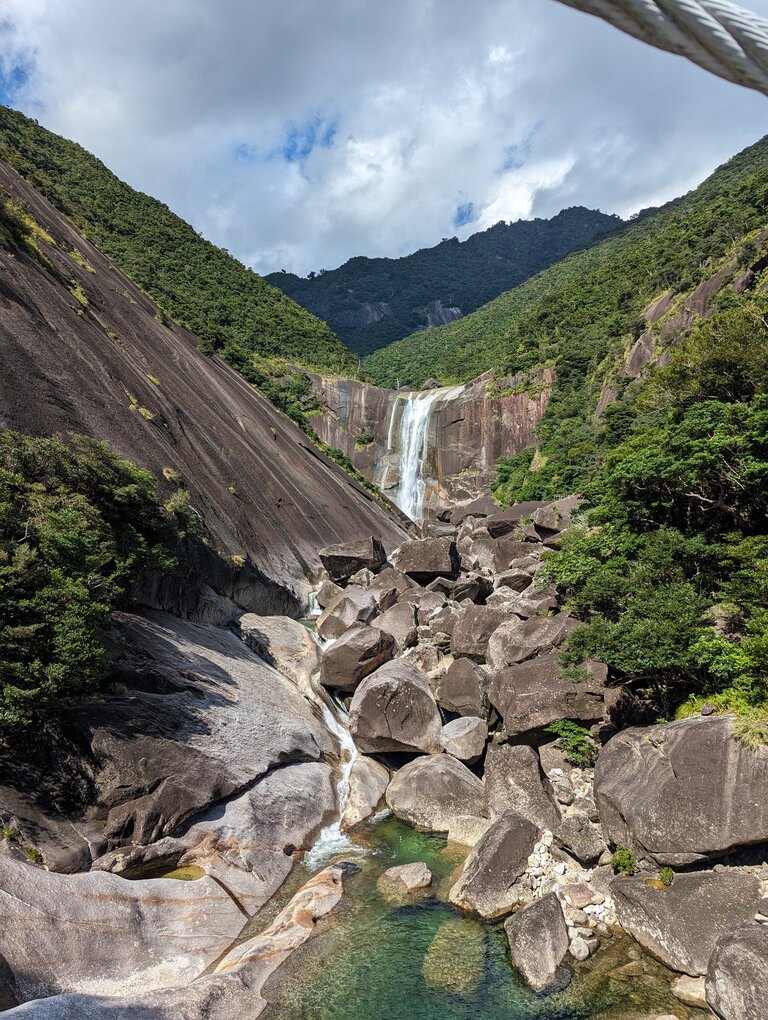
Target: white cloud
{"points": [[410, 109]]}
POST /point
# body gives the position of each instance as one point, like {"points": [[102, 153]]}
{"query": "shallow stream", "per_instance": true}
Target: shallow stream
{"points": [[425, 960]]}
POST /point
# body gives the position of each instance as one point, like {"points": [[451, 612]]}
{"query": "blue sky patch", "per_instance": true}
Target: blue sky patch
{"points": [[516, 156], [465, 213], [319, 130], [11, 81]]}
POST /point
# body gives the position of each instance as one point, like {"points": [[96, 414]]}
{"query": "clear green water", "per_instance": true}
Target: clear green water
{"points": [[424, 960]]}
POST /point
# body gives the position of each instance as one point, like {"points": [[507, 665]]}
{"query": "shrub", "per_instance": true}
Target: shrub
{"points": [[575, 742], [623, 861], [666, 875]]}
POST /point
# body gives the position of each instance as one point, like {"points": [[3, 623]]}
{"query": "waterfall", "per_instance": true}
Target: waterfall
{"points": [[413, 444]]}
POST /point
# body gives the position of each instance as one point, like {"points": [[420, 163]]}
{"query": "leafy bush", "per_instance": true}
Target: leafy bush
{"points": [[623, 861], [666, 876], [575, 742], [78, 526]]}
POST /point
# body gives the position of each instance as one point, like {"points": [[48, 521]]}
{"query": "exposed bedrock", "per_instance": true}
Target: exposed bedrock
{"points": [[467, 431], [267, 499], [737, 977]]}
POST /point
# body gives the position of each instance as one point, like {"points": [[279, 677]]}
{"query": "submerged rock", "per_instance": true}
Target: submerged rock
{"points": [[498, 859], [682, 792], [404, 880], [455, 960], [393, 710], [538, 943], [680, 924], [429, 793]]}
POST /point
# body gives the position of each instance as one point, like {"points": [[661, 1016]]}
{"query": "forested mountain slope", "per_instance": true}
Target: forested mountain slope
{"points": [[192, 281], [371, 302]]}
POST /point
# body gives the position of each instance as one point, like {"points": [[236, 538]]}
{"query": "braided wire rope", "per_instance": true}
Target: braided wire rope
{"points": [[726, 39]]}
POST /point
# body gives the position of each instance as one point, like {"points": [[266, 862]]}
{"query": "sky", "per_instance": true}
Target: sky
{"points": [[300, 133]]}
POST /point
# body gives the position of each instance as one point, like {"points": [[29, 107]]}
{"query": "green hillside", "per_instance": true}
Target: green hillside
{"points": [[193, 281], [587, 306], [371, 302]]}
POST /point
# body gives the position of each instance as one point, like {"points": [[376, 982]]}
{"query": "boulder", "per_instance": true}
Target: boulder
{"points": [[506, 521], [405, 880], [393, 710], [428, 558], [684, 791], [455, 959], [108, 931], [737, 976], [354, 605], [462, 689], [556, 516], [233, 989], [498, 859], [429, 793], [532, 695], [368, 781], [514, 782], [538, 943], [400, 622], [357, 653], [466, 830], [691, 991], [471, 634], [465, 738], [327, 592], [444, 620], [514, 579], [463, 589], [516, 640], [493, 555], [426, 603], [679, 924], [579, 837], [284, 643], [343, 560]]}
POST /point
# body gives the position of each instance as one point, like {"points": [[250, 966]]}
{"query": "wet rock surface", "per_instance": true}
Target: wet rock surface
{"points": [[538, 944]]}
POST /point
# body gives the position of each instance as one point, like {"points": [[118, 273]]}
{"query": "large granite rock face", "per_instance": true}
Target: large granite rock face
{"points": [[682, 792], [462, 689], [284, 643], [98, 932], [235, 988], [473, 631], [357, 653], [425, 559], [737, 976], [515, 782], [346, 558], [499, 858], [532, 695], [393, 710], [207, 720], [518, 640], [430, 793], [538, 942], [269, 500], [679, 924]]}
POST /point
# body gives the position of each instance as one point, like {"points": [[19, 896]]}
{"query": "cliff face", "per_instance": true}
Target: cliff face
{"points": [[83, 350], [467, 429]]}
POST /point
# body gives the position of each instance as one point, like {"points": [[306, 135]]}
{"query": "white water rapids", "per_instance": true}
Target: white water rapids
{"points": [[413, 442]]}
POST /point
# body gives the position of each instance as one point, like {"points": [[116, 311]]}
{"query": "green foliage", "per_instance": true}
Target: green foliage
{"points": [[623, 861], [364, 438], [666, 876], [575, 742], [463, 274], [78, 526], [192, 281]]}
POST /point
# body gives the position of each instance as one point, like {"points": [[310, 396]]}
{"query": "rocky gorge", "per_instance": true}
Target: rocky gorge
{"points": [[428, 692]]}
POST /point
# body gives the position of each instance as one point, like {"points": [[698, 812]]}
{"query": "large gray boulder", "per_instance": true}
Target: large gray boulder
{"points": [[430, 793], [531, 695], [580, 838], [357, 653], [96, 930], [737, 976], [679, 924], [393, 710], [462, 689], [354, 605], [368, 781], [472, 633], [343, 560], [506, 521], [233, 989], [538, 943], [425, 559], [400, 622], [498, 859], [517, 640], [682, 792], [515, 782], [465, 738], [493, 554], [284, 643]]}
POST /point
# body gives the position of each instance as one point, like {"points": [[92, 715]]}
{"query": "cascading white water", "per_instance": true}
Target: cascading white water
{"points": [[414, 437]]}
